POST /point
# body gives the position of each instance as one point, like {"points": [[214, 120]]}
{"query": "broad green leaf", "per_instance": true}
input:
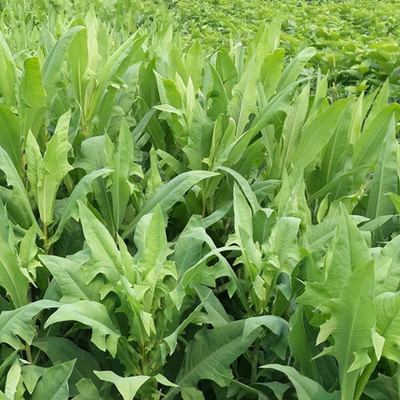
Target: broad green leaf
{"points": [[71, 210], [302, 338], [52, 66], [106, 259], [317, 133], [243, 102], [306, 388], [16, 324], [87, 390], [385, 178], [14, 389], [95, 315], [32, 98], [10, 138], [200, 137], [31, 375], [153, 249], [77, 57], [53, 385], [338, 145], [47, 174], [70, 279], [353, 317], [283, 243], [368, 146], [271, 70], [388, 323], [347, 253], [194, 63], [115, 67], [292, 127], [9, 76], [383, 388], [168, 194], [122, 166], [12, 279], [211, 352], [387, 270], [293, 70], [60, 350]]}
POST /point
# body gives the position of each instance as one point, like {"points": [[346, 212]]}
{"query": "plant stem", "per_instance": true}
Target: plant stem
{"points": [[254, 364], [369, 369], [28, 353], [45, 234]]}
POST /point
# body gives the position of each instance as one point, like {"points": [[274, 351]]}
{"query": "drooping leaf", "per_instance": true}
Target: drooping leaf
{"points": [[95, 315]]}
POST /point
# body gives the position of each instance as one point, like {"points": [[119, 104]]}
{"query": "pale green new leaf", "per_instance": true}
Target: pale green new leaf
{"points": [[128, 387]]}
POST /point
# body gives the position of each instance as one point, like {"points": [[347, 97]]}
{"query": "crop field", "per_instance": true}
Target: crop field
{"points": [[199, 200]]}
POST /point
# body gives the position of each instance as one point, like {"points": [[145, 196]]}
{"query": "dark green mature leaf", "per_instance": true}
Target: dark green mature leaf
{"points": [[61, 350], [53, 385], [383, 388]]}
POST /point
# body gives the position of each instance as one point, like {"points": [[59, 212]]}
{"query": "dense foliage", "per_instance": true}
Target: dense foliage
{"points": [[184, 223]]}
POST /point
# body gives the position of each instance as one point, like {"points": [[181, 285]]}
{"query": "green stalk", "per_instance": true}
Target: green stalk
{"points": [[369, 369], [28, 353]]}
